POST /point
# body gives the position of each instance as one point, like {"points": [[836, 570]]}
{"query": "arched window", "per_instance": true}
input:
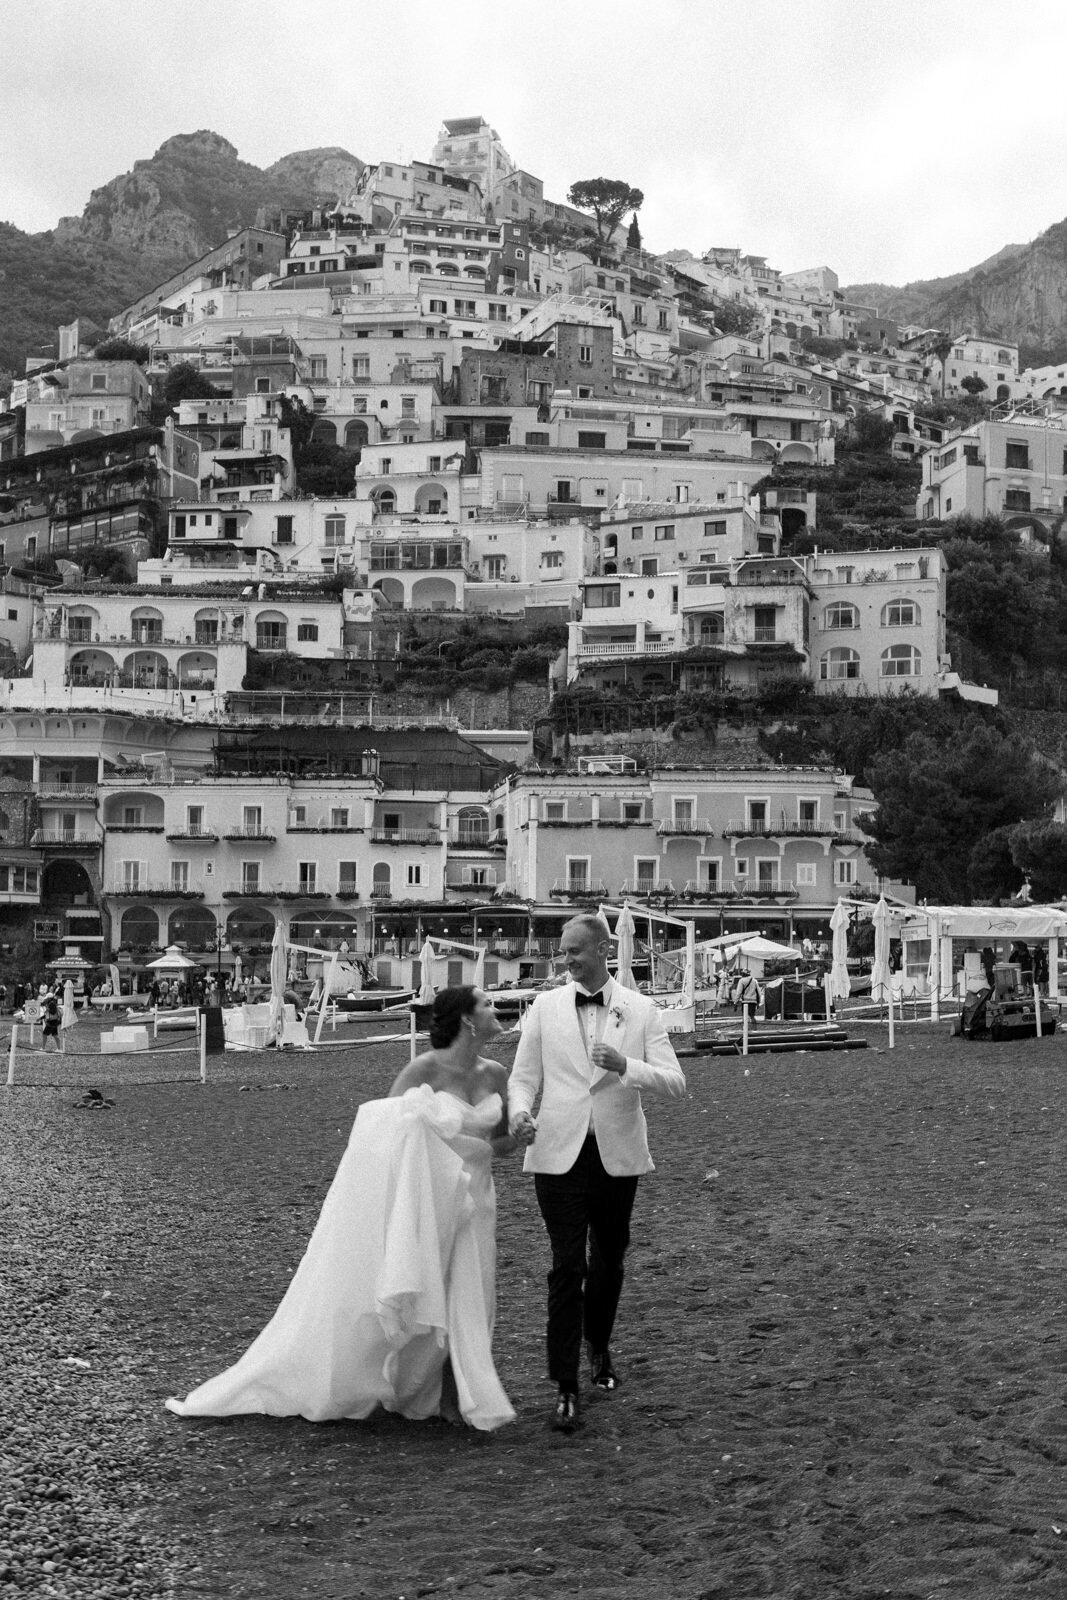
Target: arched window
{"points": [[900, 614], [384, 502], [839, 663], [192, 926], [901, 661], [841, 615], [272, 630], [139, 927], [712, 628], [381, 881], [472, 825]]}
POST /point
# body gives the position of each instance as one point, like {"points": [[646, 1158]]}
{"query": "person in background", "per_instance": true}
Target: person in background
{"points": [[51, 1036]]}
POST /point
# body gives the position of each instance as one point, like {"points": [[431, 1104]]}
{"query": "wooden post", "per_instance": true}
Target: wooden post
{"points": [[744, 1029], [203, 1055], [11, 1054], [414, 1046]]}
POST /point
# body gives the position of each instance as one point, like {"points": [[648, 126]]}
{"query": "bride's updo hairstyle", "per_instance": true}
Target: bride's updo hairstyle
{"points": [[450, 1007]]}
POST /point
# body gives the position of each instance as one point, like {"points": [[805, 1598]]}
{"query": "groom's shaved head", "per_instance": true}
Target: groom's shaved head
{"points": [[590, 924]]}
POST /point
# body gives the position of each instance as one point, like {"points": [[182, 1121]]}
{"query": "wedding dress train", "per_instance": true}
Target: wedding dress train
{"points": [[399, 1275]]}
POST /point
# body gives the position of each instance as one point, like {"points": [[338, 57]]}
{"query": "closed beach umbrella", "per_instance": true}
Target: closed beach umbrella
{"points": [[277, 983], [69, 1017], [625, 929], [840, 987], [881, 975], [238, 972], [426, 987]]}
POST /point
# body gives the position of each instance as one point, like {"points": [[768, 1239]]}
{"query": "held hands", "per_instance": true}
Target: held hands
{"points": [[607, 1058], [523, 1128]]}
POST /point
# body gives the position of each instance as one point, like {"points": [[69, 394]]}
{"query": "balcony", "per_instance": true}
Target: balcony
{"points": [[146, 889], [707, 889], [381, 891], [193, 835], [767, 828], [63, 839], [693, 829], [594, 652], [258, 833], [578, 889], [67, 793], [380, 835], [773, 889], [249, 889], [646, 889]]}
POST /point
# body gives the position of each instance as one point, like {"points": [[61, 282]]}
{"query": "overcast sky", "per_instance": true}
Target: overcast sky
{"points": [[888, 141]]}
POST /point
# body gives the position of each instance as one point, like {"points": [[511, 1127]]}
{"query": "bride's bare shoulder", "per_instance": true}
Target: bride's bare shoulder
{"points": [[493, 1074], [424, 1069]]}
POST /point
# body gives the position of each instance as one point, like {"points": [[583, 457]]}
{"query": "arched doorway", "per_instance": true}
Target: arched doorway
{"points": [[433, 594], [431, 500], [66, 883], [192, 926], [145, 669], [139, 928], [356, 435], [251, 928]]}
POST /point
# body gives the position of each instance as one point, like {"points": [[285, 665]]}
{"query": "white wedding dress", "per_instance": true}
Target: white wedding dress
{"points": [[399, 1275]]}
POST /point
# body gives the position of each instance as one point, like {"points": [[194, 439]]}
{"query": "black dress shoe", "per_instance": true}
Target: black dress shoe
{"points": [[601, 1370], [567, 1416]]}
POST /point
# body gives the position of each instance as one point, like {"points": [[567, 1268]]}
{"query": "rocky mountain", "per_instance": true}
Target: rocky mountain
{"points": [[145, 224], [1019, 294]]}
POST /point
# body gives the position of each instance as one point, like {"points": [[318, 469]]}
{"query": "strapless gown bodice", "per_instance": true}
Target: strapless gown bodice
{"points": [[399, 1275]]}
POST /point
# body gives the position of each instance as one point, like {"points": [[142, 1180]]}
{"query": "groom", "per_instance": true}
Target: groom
{"points": [[590, 1048]]}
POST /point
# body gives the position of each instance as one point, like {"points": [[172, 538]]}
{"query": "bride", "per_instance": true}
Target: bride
{"points": [[393, 1302]]}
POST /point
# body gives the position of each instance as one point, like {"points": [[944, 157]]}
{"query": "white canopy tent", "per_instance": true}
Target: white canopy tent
{"points": [[929, 933]]}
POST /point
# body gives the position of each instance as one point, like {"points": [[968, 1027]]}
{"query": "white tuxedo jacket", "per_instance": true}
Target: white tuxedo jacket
{"points": [[552, 1058]]}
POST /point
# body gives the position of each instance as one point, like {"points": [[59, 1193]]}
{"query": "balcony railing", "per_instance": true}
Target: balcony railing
{"points": [[73, 792], [768, 827], [644, 888], [194, 835], [148, 889], [258, 832], [579, 889], [63, 838], [595, 651], [694, 828], [380, 835], [765, 889]]}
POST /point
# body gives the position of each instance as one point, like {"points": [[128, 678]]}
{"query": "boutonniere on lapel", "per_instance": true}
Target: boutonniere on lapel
{"points": [[615, 1013]]}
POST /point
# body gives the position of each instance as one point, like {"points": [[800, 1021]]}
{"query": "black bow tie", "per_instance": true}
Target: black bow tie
{"points": [[581, 999]]}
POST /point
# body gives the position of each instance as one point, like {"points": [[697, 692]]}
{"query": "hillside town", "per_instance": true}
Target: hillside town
{"points": [[257, 537]]}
